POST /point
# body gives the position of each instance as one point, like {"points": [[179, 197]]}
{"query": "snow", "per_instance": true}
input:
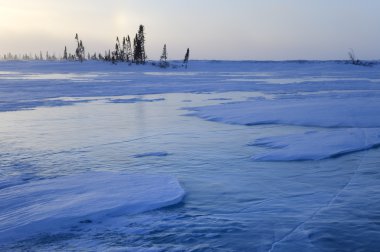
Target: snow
{"points": [[316, 145], [309, 111], [46, 202], [352, 123], [64, 118], [356, 116], [31, 83]]}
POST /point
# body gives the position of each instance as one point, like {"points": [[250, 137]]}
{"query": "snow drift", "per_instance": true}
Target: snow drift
{"points": [[43, 203], [350, 124], [310, 111], [316, 145]]}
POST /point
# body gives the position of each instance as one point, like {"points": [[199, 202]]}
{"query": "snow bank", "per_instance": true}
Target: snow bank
{"points": [[36, 205], [315, 111], [316, 145]]}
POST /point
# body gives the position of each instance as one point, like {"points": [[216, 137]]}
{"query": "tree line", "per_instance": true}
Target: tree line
{"points": [[125, 50]]}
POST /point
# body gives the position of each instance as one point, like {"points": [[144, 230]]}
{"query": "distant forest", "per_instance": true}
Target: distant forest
{"points": [[131, 52]]}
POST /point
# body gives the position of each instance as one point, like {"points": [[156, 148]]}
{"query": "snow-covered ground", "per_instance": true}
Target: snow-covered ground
{"points": [[34, 206], [272, 156], [357, 118]]}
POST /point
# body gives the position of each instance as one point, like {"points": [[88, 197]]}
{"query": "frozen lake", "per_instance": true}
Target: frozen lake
{"points": [[200, 126]]}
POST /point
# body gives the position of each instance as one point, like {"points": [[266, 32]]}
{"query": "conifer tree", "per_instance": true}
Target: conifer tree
{"points": [[129, 49], [124, 50], [186, 60], [163, 58], [117, 53], [79, 52], [65, 54], [142, 44], [105, 56], [113, 58], [136, 50], [81, 47], [139, 54]]}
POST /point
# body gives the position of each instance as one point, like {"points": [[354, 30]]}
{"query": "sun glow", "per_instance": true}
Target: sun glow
{"points": [[290, 29]]}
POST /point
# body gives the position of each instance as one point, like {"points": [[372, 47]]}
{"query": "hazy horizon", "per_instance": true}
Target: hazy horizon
{"points": [[216, 30]]}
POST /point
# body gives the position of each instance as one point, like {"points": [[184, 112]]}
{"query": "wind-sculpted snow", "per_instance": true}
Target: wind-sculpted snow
{"points": [[355, 114], [151, 154], [130, 120], [32, 206], [316, 145], [319, 112]]}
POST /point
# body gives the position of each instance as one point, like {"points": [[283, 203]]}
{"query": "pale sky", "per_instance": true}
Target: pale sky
{"points": [[212, 29]]}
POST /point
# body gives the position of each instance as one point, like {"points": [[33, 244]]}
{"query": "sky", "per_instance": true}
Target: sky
{"points": [[212, 29]]}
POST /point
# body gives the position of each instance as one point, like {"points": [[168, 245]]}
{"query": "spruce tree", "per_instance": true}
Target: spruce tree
{"points": [[186, 60], [141, 37], [139, 54], [105, 56], [113, 58], [116, 52], [65, 54], [129, 49], [136, 50], [82, 54], [124, 50], [79, 52], [163, 58], [117, 49]]}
